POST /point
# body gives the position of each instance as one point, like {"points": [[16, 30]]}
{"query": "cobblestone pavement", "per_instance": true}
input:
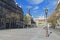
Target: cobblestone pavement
{"points": [[27, 34]]}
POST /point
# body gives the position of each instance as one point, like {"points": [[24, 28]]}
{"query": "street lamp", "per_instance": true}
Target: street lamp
{"points": [[46, 12]]}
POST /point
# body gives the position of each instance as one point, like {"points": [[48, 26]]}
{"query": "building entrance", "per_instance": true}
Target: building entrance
{"points": [[7, 25]]}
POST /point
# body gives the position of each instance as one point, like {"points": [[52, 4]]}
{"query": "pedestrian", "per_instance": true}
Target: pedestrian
{"points": [[49, 32]]}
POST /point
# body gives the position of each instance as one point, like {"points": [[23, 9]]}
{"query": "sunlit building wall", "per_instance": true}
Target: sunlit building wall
{"points": [[40, 21]]}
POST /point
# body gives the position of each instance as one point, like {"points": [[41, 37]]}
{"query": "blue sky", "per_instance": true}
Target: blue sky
{"points": [[37, 7]]}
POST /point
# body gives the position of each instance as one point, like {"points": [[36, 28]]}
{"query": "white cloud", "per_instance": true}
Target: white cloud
{"points": [[34, 11], [36, 8], [28, 7], [35, 1]]}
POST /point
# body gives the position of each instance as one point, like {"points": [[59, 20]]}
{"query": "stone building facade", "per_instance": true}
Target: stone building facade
{"points": [[11, 15], [58, 15], [55, 16], [40, 21]]}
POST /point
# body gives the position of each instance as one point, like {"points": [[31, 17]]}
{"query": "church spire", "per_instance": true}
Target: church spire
{"points": [[29, 12]]}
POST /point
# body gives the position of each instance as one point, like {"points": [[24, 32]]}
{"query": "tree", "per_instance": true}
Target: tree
{"points": [[27, 20]]}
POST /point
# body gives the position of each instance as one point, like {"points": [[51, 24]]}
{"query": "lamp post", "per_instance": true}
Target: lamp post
{"points": [[46, 12]]}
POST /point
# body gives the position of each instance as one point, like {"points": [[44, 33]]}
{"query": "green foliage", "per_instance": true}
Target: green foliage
{"points": [[27, 20]]}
